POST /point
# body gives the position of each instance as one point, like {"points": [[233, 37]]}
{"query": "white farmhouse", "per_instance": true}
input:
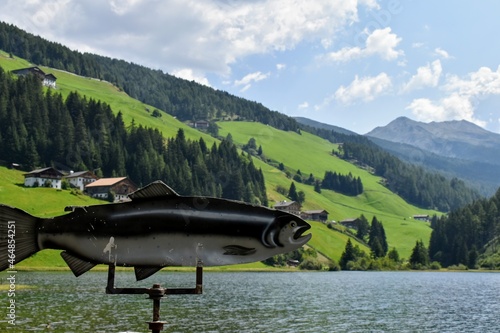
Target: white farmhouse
{"points": [[46, 177], [81, 179]]}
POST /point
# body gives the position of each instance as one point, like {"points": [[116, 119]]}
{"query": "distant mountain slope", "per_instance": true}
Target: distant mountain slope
{"points": [[456, 139], [454, 148], [317, 124]]}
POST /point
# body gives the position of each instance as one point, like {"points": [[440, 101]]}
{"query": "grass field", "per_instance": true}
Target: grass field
{"points": [[306, 152], [312, 154], [106, 92]]}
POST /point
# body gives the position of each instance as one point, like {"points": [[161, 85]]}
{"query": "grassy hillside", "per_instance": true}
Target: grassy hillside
{"points": [[117, 99], [41, 202], [312, 154], [306, 152]]}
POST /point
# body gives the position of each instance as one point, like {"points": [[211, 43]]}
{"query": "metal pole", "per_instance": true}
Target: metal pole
{"points": [[156, 293]]}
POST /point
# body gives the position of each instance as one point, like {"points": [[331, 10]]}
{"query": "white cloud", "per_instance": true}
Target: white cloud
{"points": [[365, 89], [380, 42], [453, 107], [304, 105], [384, 43], [480, 83], [280, 67], [442, 53], [461, 95], [427, 76], [248, 79], [207, 36], [189, 75]]}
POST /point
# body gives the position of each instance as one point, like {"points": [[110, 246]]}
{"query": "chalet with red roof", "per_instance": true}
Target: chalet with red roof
{"points": [[121, 187]]}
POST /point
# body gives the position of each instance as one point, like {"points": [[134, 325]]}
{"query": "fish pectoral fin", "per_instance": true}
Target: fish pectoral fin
{"points": [[78, 266], [143, 272], [153, 190], [238, 250]]}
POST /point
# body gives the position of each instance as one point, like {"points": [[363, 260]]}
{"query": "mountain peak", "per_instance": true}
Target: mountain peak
{"points": [[454, 138]]}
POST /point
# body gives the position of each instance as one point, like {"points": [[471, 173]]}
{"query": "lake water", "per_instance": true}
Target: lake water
{"points": [[261, 302]]}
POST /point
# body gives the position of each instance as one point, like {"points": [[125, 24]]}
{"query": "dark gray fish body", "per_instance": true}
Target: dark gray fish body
{"points": [[158, 228]]}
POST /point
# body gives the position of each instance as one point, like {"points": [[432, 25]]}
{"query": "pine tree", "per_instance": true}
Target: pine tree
{"points": [[419, 257], [317, 186], [393, 255], [377, 239], [363, 227], [347, 255], [292, 193]]}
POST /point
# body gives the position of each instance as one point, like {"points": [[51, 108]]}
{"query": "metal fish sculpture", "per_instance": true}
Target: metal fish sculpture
{"points": [[157, 228]]}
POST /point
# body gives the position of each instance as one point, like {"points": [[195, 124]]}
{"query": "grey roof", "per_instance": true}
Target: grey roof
{"points": [[349, 220], [317, 211], [76, 174], [42, 170]]}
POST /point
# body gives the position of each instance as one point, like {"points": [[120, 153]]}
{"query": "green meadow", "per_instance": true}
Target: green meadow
{"points": [[311, 154], [305, 152]]}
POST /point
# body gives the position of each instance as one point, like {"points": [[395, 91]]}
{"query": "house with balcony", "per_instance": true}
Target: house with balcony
{"points": [[121, 187], [45, 177], [80, 179], [291, 207]]}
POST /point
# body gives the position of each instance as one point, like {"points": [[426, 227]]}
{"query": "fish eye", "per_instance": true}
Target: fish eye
{"points": [[293, 224]]}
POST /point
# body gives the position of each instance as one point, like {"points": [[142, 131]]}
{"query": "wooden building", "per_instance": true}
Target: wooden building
{"points": [[45, 177], [81, 178], [320, 215], [121, 187], [292, 207], [48, 80], [350, 223]]}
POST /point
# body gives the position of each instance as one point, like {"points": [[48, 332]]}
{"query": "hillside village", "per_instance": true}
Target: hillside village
{"points": [[117, 189], [114, 189]]}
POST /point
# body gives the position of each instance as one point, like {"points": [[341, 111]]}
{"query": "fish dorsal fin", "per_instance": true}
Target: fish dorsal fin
{"points": [[78, 266], [153, 190], [143, 272]]}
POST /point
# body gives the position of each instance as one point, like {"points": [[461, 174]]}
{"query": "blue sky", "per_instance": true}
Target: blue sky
{"points": [[353, 64]]}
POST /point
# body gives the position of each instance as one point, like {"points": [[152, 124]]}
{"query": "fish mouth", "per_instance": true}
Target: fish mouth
{"points": [[299, 234], [288, 230], [299, 237]]}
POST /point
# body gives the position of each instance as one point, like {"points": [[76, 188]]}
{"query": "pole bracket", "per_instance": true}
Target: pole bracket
{"points": [[156, 293]]}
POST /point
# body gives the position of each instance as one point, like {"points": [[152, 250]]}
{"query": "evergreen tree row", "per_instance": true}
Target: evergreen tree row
{"points": [[464, 234], [187, 100], [39, 128], [345, 184], [377, 242], [413, 183]]}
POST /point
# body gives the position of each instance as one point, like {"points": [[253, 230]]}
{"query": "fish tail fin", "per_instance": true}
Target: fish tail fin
{"points": [[18, 236]]}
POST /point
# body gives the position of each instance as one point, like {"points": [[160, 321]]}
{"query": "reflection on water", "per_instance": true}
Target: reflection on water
{"points": [[262, 302]]}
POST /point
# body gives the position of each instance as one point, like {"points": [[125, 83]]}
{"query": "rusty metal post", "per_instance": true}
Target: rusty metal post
{"points": [[156, 293], [199, 279]]}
